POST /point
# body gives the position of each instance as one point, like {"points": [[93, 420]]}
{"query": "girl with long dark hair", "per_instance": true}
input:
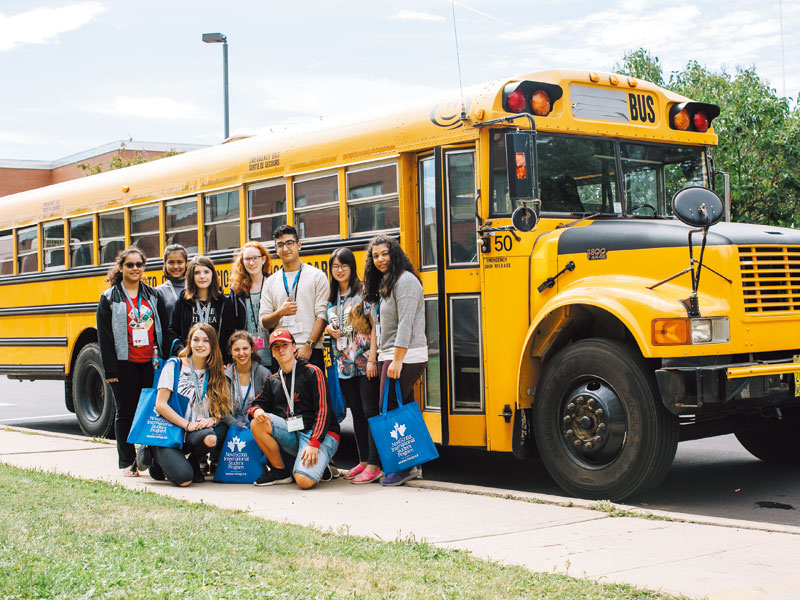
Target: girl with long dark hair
{"points": [[352, 339], [129, 330], [398, 310], [203, 302], [202, 380], [245, 375]]}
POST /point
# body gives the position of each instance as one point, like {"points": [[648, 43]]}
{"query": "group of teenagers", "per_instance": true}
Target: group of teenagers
{"points": [[254, 357]]}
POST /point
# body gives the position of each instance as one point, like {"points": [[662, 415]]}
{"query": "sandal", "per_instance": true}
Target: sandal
{"points": [[129, 472], [368, 477], [354, 471]]}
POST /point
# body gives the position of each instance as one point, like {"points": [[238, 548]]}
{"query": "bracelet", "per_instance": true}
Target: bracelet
{"points": [[374, 362]]}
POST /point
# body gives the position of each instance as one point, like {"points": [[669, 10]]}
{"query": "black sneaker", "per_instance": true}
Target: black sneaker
{"points": [[273, 477], [144, 458]]}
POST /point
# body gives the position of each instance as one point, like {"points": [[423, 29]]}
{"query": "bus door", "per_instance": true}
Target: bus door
{"points": [[449, 267]]}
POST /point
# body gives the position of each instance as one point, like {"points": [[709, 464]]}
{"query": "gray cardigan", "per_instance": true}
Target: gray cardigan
{"points": [[258, 377], [402, 316]]}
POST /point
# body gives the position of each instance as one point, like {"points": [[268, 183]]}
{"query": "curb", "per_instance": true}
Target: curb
{"points": [[65, 436]]}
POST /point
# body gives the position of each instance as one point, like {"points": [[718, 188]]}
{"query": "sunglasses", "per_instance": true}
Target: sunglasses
{"points": [[136, 265]]}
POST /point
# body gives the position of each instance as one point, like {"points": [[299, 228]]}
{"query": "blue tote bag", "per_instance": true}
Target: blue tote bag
{"points": [[241, 460], [151, 429], [338, 405], [400, 435]]}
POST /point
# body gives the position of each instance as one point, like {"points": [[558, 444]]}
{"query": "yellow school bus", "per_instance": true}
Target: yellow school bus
{"points": [[599, 334]]}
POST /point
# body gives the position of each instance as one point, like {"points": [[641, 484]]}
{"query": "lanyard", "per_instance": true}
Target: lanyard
{"points": [[378, 309], [253, 313], [203, 314], [137, 308], [293, 294], [238, 388], [340, 311], [289, 397], [196, 384]]}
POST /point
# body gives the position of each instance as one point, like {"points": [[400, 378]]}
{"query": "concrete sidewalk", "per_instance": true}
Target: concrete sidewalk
{"points": [[699, 557]]}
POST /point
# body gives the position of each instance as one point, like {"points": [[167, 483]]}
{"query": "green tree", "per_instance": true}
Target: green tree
{"points": [[758, 135], [120, 162]]}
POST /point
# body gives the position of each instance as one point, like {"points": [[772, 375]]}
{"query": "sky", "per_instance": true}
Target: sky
{"points": [[80, 74]]}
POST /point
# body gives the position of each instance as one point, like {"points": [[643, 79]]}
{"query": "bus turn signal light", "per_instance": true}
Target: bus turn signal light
{"points": [[700, 121], [516, 101], [671, 332], [681, 120], [540, 103], [692, 116], [522, 166], [518, 96]]}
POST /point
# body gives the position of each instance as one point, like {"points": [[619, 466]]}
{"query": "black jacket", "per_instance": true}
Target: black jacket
{"points": [[183, 317], [310, 401]]}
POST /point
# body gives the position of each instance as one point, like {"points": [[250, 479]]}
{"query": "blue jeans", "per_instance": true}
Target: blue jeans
{"points": [[294, 443]]}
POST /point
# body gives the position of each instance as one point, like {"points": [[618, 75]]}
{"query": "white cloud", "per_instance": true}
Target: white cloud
{"points": [[43, 25], [414, 15], [536, 33], [151, 108]]}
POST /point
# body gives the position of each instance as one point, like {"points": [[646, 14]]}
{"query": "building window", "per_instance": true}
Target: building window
{"points": [[112, 236], [181, 224], [80, 242], [27, 250], [372, 201], [6, 253], [266, 210], [53, 257], [316, 207], [144, 230], [221, 215]]}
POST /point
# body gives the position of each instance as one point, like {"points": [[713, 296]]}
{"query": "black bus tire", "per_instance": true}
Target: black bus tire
{"points": [[599, 423], [91, 395], [776, 441]]}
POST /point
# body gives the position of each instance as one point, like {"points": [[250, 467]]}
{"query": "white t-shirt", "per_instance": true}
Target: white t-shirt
{"points": [[185, 388], [311, 296]]}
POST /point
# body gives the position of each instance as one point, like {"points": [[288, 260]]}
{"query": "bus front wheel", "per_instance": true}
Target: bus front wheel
{"points": [[92, 396], [599, 424]]}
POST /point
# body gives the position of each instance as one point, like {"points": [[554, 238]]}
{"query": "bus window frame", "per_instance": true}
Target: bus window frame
{"points": [[74, 247], [267, 241], [297, 212], [421, 224], [471, 410], [208, 223], [372, 200], [20, 256], [190, 200], [102, 242], [46, 225], [9, 234], [145, 234], [447, 153]]}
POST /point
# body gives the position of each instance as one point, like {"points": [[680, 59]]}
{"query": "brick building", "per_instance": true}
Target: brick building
{"points": [[21, 175]]}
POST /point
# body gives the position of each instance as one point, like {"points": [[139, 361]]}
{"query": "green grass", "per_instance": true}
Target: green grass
{"points": [[68, 538]]}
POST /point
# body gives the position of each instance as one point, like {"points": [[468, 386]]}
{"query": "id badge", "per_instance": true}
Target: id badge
{"points": [[378, 334], [289, 321], [140, 337], [259, 343], [294, 424], [341, 343]]}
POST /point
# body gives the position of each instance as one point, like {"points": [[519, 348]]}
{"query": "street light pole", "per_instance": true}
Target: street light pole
{"points": [[217, 38]]}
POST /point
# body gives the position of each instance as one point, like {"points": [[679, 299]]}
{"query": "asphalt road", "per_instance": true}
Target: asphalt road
{"points": [[713, 477]]}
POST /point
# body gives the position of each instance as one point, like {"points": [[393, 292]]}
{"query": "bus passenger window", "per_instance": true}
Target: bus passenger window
{"points": [[499, 203], [27, 250], [372, 201], [112, 236], [180, 224], [6, 253], [426, 177], [80, 242], [266, 210], [221, 214], [577, 175], [144, 230], [462, 246], [316, 207], [53, 245]]}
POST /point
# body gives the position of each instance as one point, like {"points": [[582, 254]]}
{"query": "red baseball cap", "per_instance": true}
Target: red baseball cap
{"points": [[280, 335]]}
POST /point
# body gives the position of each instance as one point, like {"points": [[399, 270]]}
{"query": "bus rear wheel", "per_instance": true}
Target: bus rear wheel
{"points": [[93, 398], [599, 424], [776, 441]]}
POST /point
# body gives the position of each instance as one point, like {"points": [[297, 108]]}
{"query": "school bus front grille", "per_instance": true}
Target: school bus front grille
{"points": [[770, 278]]}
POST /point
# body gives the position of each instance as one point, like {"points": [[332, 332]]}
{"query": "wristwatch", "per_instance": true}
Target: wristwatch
{"points": [[310, 343]]}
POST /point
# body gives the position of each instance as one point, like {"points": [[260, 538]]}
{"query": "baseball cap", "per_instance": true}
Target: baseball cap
{"points": [[280, 335]]}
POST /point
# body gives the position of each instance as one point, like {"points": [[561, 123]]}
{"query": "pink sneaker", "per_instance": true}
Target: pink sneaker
{"points": [[367, 477], [354, 471]]}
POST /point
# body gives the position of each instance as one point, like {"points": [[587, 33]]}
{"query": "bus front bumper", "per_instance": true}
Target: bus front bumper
{"points": [[727, 388]]}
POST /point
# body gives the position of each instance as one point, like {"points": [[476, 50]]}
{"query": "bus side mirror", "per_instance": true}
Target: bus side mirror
{"points": [[521, 166], [524, 218], [698, 207]]}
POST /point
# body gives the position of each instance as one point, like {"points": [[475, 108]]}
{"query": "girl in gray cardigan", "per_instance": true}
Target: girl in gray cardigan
{"points": [[246, 377], [394, 291]]}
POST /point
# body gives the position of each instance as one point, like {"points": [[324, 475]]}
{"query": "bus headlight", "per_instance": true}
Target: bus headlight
{"points": [[685, 331]]}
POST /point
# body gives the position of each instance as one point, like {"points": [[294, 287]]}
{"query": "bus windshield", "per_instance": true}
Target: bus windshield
{"points": [[580, 175]]}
